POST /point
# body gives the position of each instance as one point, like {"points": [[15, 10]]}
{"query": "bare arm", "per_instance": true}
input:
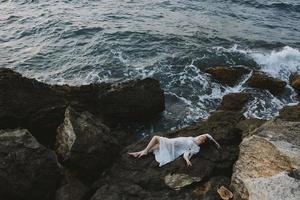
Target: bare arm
{"points": [[216, 143], [186, 157]]}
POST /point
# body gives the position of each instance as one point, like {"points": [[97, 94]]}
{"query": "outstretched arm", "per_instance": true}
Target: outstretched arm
{"points": [[186, 157], [214, 141]]}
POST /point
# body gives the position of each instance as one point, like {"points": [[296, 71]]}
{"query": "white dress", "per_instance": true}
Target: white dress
{"points": [[171, 148]]}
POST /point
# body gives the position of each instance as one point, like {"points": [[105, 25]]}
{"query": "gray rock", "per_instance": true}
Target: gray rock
{"points": [[85, 144], [144, 173], [178, 181], [265, 168], [71, 191], [28, 170], [40, 107]]}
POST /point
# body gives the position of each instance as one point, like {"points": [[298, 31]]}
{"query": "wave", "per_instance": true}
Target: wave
{"points": [[279, 63]]}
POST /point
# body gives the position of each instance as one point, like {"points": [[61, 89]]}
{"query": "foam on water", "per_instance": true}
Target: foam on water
{"points": [[280, 63], [82, 42]]}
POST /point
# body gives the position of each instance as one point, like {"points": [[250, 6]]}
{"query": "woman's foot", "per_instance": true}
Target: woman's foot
{"points": [[138, 154]]}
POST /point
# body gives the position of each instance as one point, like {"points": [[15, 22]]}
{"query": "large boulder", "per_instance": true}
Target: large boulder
{"points": [[74, 190], [247, 126], [28, 170], [295, 82], [132, 101], [133, 178], [40, 108], [234, 101], [85, 145], [267, 162], [228, 75], [290, 113], [261, 80], [30, 104]]}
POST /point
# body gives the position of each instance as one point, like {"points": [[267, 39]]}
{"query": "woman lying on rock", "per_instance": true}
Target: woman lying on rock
{"points": [[168, 149]]}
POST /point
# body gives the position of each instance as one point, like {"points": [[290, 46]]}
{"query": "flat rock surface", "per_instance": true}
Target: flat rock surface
{"points": [[228, 75], [149, 180], [266, 159]]}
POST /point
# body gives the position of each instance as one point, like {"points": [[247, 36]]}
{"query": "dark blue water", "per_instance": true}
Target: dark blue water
{"points": [[80, 42]]}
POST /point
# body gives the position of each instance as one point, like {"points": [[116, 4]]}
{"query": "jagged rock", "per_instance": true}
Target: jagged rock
{"points": [[85, 144], [132, 101], [71, 191], [40, 108], [263, 81], [290, 113], [234, 101], [30, 104], [145, 173], [228, 75], [295, 82], [266, 159], [28, 170], [249, 125]]}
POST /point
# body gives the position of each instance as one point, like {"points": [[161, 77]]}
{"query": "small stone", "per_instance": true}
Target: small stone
{"points": [[178, 181], [224, 193]]}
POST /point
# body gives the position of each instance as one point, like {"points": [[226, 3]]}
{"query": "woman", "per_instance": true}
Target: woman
{"points": [[168, 149]]}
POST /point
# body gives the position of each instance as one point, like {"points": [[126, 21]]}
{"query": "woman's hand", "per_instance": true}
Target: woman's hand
{"points": [[188, 163]]}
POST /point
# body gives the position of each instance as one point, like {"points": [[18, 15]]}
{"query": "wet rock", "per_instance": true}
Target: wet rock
{"points": [[266, 159], [85, 144], [71, 191], [263, 81], [146, 174], [290, 113], [40, 108], [234, 101], [295, 82], [228, 75], [28, 170]]}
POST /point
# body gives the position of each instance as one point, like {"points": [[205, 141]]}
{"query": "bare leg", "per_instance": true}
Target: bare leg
{"points": [[154, 147], [153, 144]]}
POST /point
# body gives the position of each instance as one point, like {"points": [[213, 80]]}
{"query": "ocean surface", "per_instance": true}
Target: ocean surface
{"points": [[80, 42]]}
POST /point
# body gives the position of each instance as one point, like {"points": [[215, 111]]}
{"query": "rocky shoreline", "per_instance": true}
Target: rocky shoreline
{"points": [[67, 142]]}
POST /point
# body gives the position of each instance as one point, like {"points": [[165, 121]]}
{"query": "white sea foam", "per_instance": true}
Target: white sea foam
{"points": [[192, 94], [279, 63]]}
